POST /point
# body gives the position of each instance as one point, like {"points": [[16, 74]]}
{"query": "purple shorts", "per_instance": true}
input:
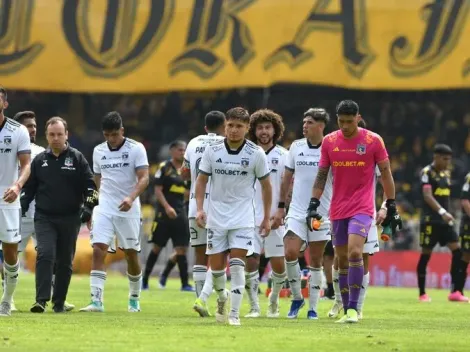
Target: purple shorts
{"points": [[358, 225]]}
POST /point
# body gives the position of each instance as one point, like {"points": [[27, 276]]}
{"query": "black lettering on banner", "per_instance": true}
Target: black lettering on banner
{"points": [[209, 27], [120, 49], [445, 20], [350, 21], [16, 49]]}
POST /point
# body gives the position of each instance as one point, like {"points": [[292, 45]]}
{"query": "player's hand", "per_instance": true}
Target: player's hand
{"points": [[126, 204], [312, 214], [265, 227], [392, 219], [278, 218], [171, 213], [85, 214], [448, 218], [201, 219], [381, 215], [88, 225], [12, 193]]}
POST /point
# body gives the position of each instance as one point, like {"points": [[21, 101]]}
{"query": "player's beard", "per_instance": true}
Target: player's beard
{"points": [[265, 140], [32, 139]]}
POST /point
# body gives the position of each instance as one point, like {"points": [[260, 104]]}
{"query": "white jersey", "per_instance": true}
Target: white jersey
{"points": [[192, 159], [35, 150], [118, 175], [303, 159], [277, 162], [14, 140], [232, 191]]}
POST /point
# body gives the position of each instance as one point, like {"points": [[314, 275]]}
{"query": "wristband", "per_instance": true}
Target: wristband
{"points": [[441, 211], [281, 205]]}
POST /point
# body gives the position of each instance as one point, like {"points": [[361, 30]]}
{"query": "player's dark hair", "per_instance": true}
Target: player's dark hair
{"points": [[55, 120], [214, 119], [442, 149], [347, 107], [23, 115], [318, 114], [112, 121], [362, 123], [177, 143], [4, 92], [266, 115], [238, 113]]}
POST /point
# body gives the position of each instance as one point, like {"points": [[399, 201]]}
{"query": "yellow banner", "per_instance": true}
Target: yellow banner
{"points": [[162, 45]]}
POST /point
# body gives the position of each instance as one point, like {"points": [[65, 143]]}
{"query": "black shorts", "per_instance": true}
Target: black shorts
{"points": [[164, 229], [465, 236], [329, 250], [431, 233]]}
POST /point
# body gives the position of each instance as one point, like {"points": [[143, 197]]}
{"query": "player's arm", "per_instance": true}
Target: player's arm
{"points": [[96, 170], [322, 175], [427, 193], [24, 158], [465, 196], [25, 169], [29, 189], [388, 184], [262, 173], [200, 191], [142, 174], [90, 192], [97, 179]]}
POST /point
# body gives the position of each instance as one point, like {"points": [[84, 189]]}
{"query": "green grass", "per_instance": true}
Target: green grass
{"points": [[393, 321]]}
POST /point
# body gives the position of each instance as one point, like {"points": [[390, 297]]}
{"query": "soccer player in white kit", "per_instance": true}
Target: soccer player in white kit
{"points": [[121, 174], [266, 128], [215, 128], [15, 147], [303, 159], [234, 164]]}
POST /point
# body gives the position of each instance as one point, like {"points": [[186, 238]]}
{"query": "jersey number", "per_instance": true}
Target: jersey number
{"points": [[198, 161]]}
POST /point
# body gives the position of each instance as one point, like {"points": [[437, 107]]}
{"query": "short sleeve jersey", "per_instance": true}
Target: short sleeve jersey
{"points": [[303, 159], [173, 187], [276, 162], [353, 162], [192, 159], [35, 150], [14, 140], [232, 190], [117, 168], [439, 182]]}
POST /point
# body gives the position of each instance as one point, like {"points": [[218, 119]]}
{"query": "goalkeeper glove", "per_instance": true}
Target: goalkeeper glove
{"points": [[393, 219], [313, 218]]}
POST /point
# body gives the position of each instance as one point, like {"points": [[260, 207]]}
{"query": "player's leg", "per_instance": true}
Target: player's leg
{"points": [[464, 236], [263, 263], [274, 251], [328, 258], [337, 307], [102, 235], [427, 241], [160, 237], [294, 239], [217, 247], [456, 267], [252, 276], [303, 265], [240, 242], [180, 239], [198, 240]]}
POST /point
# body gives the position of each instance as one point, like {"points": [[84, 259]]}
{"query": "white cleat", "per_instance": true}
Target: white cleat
{"points": [[221, 313], [359, 315], [13, 307], [95, 307], [254, 313], [235, 321], [273, 308], [336, 310], [68, 306], [134, 306], [5, 309]]}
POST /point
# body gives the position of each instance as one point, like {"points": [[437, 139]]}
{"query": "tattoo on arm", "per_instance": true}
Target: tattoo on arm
{"points": [[322, 176]]}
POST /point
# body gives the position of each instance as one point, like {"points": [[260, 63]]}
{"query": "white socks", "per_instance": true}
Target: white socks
{"points": [[208, 287], [277, 283], [135, 286], [237, 288], [11, 279], [362, 293], [97, 280], [219, 278], [199, 277], [316, 276], [252, 284], [293, 275], [338, 297]]}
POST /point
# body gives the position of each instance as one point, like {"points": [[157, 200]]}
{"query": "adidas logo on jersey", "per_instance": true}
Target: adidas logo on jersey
{"points": [[301, 154], [336, 149], [103, 158], [219, 160]]}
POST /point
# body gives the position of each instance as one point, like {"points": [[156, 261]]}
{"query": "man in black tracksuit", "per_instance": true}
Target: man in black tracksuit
{"points": [[62, 184]]}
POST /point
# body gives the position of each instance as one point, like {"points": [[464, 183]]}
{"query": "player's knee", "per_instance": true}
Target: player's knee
{"points": [[200, 257], [291, 254], [181, 250], [156, 249], [252, 262], [355, 253]]}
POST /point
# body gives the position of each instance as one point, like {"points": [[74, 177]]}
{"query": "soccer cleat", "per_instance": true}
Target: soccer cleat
{"points": [[221, 313], [457, 296], [13, 307], [336, 310], [235, 321], [145, 284], [359, 315], [273, 308], [95, 307], [351, 316], [187, 288], [68, 306], [133, 306], [201, 308], [38, 307], [295, 307], [59, 309], [162, 281], [424, 298], [312, 315], [5, 309], [254, 313], [342, 320]]}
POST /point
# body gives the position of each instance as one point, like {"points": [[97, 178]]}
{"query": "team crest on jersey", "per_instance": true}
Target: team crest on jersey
{"points": [[68, 162], [125, 155], [245, 162], [361, 149], [7, 140], [274, 161]]}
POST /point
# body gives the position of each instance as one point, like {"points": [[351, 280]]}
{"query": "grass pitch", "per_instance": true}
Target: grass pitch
{"points": [[393, 321]]}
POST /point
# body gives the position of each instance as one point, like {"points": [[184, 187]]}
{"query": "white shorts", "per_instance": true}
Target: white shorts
{"points": [[273, 245], [300, 229], [198, 236], [219, 241], [27, 231], [372, 244], [10, 225], [106, 227]]}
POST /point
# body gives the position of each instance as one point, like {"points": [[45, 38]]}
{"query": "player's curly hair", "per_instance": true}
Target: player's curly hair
{"points": [[266, 115]]}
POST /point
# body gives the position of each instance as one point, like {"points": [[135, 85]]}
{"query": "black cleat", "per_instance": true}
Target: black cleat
{"points": [[38, 307]]}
